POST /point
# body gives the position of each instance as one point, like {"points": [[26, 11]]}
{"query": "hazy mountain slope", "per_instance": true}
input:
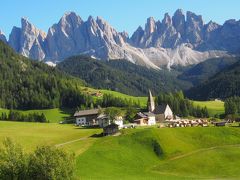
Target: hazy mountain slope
{"points": [[222, 85], [204, 70]]}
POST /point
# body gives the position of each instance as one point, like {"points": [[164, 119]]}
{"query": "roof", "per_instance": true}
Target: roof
{"points": [[145, 114], [140, 114], [148, 114], [160, 109], [113, 125], [86, 112]]}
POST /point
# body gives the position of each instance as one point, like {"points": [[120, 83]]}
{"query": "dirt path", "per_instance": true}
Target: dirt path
{"points": [[202, 150], [186, 155], [69, 142]]}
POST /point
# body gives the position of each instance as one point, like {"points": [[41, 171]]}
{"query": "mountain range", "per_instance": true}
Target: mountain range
{"points": [[182, 39]]}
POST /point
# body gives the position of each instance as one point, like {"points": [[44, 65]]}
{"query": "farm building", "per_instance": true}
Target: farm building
{"points": [[162, 112], [146, 118], [87, 117], [93, 118]]}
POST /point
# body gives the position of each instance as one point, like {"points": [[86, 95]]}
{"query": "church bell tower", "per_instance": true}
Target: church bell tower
{"points": [[151, 103]]}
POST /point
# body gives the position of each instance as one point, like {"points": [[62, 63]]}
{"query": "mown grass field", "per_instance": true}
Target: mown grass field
{"points": [[214, 107], [187, 153], [30, 135]]}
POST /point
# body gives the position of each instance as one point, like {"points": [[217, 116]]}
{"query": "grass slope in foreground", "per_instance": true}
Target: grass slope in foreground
{"points": [[185, 153]]}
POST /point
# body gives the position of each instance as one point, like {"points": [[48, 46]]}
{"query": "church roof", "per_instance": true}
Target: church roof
{"points": [[160, 109]]}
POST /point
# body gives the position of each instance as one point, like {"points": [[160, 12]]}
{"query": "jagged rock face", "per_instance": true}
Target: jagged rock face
{"points": [[3, 37], [72, 36], [64, 39], [176, 40], [179, 22], [28, 39], [194, 27]]}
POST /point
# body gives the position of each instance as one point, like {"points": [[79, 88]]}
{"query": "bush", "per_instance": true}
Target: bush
{"points": [[13, 162], [45, 163], [157, 148], [50, 163]]}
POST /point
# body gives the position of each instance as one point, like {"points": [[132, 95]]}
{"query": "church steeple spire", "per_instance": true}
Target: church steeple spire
{"points": [[151, 103]]}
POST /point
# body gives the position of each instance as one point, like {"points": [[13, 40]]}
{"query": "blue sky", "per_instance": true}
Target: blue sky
{"points": [[121, 14]]}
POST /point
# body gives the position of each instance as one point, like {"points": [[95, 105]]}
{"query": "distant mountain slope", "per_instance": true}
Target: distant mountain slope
{"points": [[29, 84], [222, 85], [121, 75], [204, 70]]}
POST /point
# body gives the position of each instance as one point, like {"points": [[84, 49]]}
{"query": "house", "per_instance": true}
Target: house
{"points": [[87, 117], [104, 121], [110, 129], [162, 112], [144, 119]]}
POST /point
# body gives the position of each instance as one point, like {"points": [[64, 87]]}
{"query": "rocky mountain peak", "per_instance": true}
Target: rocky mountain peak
{"points": [[179, 21], [150, 26], [167, 19], [195, 19], [3, 37], [70, 18], [159, 43], [28, 28]]}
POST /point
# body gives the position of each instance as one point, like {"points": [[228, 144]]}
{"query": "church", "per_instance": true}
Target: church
{"points": [[162, 112]]}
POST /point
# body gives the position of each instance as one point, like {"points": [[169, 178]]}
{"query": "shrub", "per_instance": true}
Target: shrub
{"points": [[157, 148], [45, 163], [50, 163], [13, 162]]}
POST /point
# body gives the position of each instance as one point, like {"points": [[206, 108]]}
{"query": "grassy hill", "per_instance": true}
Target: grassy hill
{"points": [[132, 155], [141, 99], [186, 153], [214, 107]]}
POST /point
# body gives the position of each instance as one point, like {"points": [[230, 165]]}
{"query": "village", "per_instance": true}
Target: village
{"points": [[160, 116]]}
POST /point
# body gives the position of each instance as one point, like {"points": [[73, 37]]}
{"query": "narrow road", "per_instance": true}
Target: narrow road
{"points": [[69, 142]]}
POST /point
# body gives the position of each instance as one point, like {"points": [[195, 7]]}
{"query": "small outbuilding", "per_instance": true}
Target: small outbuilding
{"points": [[110, 129], [222, 123]]}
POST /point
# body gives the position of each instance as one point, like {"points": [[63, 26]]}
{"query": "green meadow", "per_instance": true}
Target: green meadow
{"points": [[141, 100], [53, 115], [214, 107], [184, 153]]}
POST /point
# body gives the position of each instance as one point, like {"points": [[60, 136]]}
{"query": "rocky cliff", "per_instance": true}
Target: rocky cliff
{"points": [[176, 40]]}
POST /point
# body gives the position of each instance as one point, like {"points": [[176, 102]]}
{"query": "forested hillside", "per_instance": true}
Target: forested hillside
{"points": [[27, 84], [222, 85], [122, 76], [206, 69]]}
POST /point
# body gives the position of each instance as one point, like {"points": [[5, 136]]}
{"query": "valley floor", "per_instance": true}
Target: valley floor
{"points": [[183, 153]]}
